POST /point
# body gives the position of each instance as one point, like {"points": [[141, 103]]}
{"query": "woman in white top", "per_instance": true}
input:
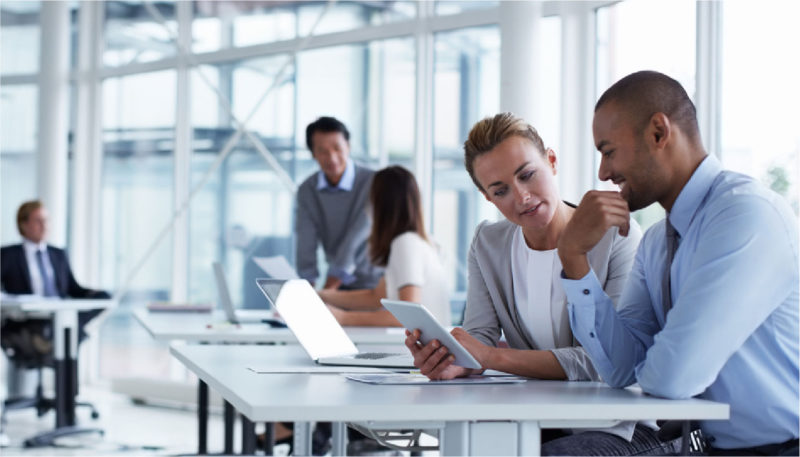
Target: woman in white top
{"points": [[397, 241], [514, 282]]}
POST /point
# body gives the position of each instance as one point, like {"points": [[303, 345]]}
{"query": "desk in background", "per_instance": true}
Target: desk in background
{"points": [[64, 314], [503, 419], [194, 327]]}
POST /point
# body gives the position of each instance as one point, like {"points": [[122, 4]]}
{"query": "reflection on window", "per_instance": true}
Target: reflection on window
{"points": [[134, 34], [221, 25], [760, 94], [366, 86], [243, 210], [445, 7], [18, 109], [549, 126], [19, 37], [466, 89], [634, 36], [137, 190]]}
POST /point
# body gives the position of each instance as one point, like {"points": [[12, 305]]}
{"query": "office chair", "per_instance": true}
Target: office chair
{"points": [[27, 345]]}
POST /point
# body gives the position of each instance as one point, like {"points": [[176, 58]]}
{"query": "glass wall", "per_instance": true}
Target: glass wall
{"points": [[634, 36], [137, 205], [220, 25], [18, 112], [466, 89], [242, 208], [760, 94], [19, 37], [134, 31]]}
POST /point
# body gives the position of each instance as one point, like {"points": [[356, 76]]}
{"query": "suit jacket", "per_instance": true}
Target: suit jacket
{"points": [[16, 279]]}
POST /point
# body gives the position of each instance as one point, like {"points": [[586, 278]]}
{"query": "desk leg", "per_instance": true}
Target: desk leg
{"points": [[202, 418], [65, 350], [530, 438], [248, 436], [339, 438], [66, 373], [269, 438], [490, 438], [230, 418], [302, 438]]}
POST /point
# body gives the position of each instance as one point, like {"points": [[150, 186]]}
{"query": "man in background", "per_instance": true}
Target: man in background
{"points": [[35, 267], [332, 211]]}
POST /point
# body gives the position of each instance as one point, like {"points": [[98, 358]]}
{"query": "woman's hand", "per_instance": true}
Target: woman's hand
{"points": [[480, 351], [433, 359]]}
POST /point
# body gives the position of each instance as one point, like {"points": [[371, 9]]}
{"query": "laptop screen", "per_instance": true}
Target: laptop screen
{"points": [[307, 316]]}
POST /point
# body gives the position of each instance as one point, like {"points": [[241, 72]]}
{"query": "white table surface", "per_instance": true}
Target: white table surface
{"points": [[331, 397], [32, 303], [213, 328]]}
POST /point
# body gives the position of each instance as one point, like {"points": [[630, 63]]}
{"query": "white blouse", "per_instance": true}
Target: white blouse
{"points": [[540, 298], [416, 262]]}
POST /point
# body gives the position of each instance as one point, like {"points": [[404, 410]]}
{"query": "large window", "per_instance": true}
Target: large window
{"points": [[242, 209], [466, 89], [17, 153], [19, 37], [134, 33], [221, 25], [137, 196], [760, 93], [634, 36]]}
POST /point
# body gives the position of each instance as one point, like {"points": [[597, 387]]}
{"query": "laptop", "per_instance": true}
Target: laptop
{"points": [[240, 316], [317, 330]]}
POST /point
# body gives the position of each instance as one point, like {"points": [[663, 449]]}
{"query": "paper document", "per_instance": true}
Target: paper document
{"points": [[402, 378], [277, 267], [318, 369]]}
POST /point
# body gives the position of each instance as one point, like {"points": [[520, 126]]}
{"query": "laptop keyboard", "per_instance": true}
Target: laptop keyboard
{"points": [[375, 355]]}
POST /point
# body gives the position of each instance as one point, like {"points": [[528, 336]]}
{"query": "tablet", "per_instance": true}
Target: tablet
{"points": [[415, 316]]}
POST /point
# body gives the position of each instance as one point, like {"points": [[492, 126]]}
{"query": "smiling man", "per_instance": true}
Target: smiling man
{"points": [[710, 309], [332, 211]]}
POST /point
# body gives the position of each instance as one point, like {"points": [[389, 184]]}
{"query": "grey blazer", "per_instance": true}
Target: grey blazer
{"points": [[490, 295]]}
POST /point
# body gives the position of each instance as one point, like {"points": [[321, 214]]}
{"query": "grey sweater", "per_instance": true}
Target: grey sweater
{"points": [[338, 219], [491, 307]]}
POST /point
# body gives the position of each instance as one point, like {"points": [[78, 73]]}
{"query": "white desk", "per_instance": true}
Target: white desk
{"points": [[470, 418], [64, 314], [211, 328]]}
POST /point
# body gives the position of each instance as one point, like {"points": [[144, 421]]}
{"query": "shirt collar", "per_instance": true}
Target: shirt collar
{"points": [[30, 246], [693, 194], [346, 183]]}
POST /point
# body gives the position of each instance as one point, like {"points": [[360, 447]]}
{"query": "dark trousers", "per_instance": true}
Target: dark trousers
{"points": [[787, 448], [645, 441]]}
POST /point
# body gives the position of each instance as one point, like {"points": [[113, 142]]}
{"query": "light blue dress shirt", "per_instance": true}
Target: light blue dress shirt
{"points": [[345, 184], [732, 332]]}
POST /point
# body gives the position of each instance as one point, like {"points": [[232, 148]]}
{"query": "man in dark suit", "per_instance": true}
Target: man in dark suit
{"points": [[34, 267]]}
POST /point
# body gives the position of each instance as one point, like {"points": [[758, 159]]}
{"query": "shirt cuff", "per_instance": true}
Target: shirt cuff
{"points": [[583, 297]]}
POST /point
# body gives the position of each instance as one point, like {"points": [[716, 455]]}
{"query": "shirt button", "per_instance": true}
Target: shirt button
{"points": [[591, 334], [585, 291]]}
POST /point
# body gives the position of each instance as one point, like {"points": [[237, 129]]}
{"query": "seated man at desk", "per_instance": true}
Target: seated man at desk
{"points": [[332, 210], [34, 267], [710, 309]]}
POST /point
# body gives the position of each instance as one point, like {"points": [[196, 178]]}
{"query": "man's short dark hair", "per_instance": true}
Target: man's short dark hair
{"points": [[325, 124], [645, 93]]}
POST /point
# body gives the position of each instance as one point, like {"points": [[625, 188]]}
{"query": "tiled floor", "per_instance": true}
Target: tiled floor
{"points": [[130, 429]]}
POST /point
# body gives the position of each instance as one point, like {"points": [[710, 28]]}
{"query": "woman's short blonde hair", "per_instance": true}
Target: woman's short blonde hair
{"points": [[487, 133]]}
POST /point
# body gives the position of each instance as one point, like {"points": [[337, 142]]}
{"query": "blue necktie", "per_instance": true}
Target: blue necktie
{"points": [[672, 239], [47, 280]]}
